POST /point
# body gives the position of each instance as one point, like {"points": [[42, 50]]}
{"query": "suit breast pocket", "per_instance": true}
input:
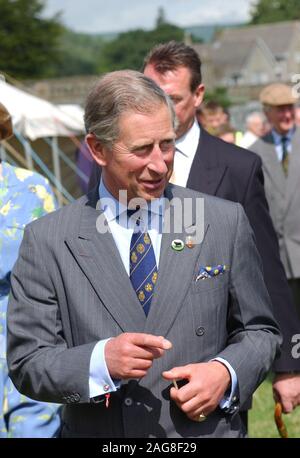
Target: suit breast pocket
{"points": [[209, 304], [210, 283]]}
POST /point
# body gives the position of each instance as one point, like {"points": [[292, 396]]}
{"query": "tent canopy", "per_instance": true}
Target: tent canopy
{"points": [[36, 118]]}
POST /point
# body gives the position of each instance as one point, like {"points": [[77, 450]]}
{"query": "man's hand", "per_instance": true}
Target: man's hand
{"points": [[130, 355], [286, 390], [207, 384]]}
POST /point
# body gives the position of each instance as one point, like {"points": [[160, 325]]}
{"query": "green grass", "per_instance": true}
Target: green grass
{"points": [[261, 416]]}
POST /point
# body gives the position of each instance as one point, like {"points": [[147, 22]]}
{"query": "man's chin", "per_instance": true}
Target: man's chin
{"points": [[285, 128], [151, 195]]}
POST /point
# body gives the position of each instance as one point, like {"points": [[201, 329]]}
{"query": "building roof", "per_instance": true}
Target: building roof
{"points": [[277, 36], [228, 57]]}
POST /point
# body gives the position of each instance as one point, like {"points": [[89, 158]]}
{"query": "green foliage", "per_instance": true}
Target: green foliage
{"points": [[266, 11], [219, 95], [129, 49], [28, 43], [79, 54], [196, 39]]}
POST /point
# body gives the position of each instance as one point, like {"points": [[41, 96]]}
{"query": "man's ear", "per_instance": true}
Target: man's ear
{"points": [[199, 95], [97, 149]]}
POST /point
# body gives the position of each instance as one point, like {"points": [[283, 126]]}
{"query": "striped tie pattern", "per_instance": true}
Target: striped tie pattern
{"points": [[143, 269]]}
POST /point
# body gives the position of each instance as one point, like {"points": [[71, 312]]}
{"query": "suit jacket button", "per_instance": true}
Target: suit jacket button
{"points": [[200, 331], [128, 402]]}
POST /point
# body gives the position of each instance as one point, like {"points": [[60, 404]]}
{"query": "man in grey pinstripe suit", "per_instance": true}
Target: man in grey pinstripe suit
{"points": [[77, 333]]}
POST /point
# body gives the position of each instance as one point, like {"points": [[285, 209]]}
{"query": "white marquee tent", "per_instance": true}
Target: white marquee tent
{"points": [[36, 118], [33, 119]]}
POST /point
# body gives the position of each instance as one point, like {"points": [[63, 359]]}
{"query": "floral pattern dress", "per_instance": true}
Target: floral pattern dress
{"points": [[24, 197]]}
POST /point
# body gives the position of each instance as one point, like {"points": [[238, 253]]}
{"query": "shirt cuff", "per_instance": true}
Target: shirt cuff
{"points": [[231, 395], [100, 382]]}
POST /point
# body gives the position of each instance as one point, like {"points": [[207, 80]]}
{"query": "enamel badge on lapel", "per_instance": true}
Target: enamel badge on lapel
{"points": [[190, 242], [177, 245]]}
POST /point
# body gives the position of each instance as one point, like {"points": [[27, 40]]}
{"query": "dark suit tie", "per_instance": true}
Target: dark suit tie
{"points": [[143, 269], [285, 155]]}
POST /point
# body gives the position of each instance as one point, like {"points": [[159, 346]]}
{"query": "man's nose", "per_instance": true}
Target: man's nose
{"points": [[288, 112], [157, 161]]}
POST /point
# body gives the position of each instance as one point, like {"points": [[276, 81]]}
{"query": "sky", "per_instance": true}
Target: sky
{"points": [[101, 16]]}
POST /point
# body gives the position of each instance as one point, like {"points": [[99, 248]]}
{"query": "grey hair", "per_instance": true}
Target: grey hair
{"points": [[255, 115], [117, 93]]}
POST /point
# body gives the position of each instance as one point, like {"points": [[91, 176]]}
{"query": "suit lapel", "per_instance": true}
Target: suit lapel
{"points": [[271, 164], [99, 259], [206, 173], [175, 274], [293, 178]]}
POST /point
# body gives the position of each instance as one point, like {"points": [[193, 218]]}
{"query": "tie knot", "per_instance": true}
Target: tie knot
{"points": [[131, 213]]}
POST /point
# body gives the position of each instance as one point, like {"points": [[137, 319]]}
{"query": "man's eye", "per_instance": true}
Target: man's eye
{"points": [[142, 149]]}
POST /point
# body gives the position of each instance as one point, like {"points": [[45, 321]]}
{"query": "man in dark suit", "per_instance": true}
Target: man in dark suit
{"points": [[207, 164], [109, 309]]}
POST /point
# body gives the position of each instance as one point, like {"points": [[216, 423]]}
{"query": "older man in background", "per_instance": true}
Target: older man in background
{"points": [[255, 128], [280, 154]]}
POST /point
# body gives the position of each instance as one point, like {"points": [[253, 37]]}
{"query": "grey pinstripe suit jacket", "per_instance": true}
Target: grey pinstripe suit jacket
{"points": [[70, 289], [284, 199]]}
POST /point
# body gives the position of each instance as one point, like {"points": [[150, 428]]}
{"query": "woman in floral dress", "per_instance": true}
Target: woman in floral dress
{"points": [[24, 197]]}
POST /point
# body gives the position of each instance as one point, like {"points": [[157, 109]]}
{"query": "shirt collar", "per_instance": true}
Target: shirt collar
{"points": [[278, 137], [188, 143], [113, 208]]}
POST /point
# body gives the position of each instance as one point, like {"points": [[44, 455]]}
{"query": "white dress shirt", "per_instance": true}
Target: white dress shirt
{"points": [[122, 229], [186, 147], [248, 139]]}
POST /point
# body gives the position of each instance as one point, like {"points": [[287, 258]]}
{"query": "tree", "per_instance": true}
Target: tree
{"points": [[266, 11], [161, 17], [28, 43], [129, 48], [79, 54], [219, 95]]}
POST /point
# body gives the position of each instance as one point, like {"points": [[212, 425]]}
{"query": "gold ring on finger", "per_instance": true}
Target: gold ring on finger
{"points": [[201, 417]]}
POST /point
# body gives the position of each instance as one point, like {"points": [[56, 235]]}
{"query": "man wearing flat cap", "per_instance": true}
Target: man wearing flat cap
{"points": [[280, 153]]}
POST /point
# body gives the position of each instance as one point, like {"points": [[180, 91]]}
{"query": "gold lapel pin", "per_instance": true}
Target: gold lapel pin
{"points": [[190, 242]]}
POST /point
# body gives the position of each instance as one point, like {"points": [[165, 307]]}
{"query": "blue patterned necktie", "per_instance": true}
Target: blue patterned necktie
{"points": [[143, 269]]}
